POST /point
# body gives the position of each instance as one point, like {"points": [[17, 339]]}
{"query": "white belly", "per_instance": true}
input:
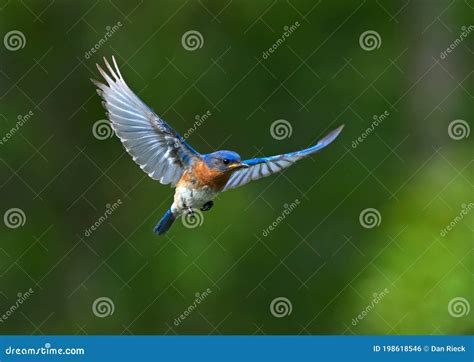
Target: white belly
{"points": [[190, 197]]}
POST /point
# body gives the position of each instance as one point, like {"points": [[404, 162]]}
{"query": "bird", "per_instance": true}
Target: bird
{"points": [[164, 154]]}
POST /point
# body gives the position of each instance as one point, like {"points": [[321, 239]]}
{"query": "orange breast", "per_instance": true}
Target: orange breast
{"points": [[185, 180], [215, 179]]}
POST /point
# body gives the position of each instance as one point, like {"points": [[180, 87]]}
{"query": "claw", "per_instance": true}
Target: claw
{"points": [[207, 206]]}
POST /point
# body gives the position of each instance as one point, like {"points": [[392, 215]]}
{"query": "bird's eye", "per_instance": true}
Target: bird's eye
{"points": [[226, 161]]}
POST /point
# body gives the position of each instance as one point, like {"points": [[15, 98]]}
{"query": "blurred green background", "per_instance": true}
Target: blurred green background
{"points": [[414, 169]]}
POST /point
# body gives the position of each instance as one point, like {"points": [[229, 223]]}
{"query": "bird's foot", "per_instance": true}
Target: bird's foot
{"points": [[207, 206]]}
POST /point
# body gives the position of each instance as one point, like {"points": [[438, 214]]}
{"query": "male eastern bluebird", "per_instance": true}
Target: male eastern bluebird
{"points": [[165, 156]]}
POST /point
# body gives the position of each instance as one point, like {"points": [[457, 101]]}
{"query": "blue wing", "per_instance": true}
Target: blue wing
{"points": [[266, 166], [159, 150]]}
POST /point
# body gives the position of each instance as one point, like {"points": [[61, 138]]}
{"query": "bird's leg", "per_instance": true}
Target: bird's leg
{"points": [[207, 206], [188, 209]]}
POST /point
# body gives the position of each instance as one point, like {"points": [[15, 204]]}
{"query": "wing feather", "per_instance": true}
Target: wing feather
{"points": [[266, 166], [159, 150]]}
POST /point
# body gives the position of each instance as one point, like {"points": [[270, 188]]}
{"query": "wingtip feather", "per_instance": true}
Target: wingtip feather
{"points": [[95, 82], [116, 67], [112, 72], [331, 136]]}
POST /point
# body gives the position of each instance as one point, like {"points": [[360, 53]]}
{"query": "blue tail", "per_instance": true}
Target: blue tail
{"points": [[165, 223]]}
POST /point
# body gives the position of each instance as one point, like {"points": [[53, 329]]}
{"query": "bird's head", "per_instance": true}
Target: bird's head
{"points": [[225, 161]]}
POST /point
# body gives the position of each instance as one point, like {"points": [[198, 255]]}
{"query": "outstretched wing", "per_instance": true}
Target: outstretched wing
{"points": [[266, 166], [159, 150]]}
